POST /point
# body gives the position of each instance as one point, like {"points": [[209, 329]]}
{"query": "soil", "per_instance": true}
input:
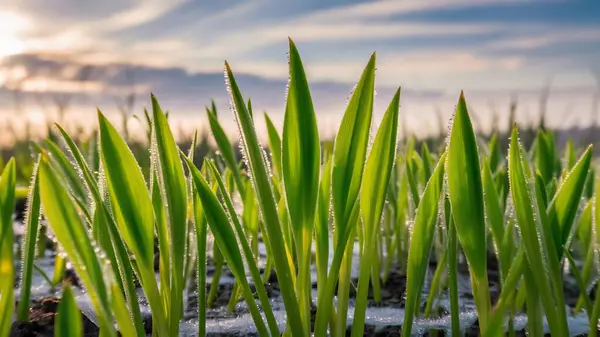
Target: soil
{"points": [[42, 312], [41, 321]]}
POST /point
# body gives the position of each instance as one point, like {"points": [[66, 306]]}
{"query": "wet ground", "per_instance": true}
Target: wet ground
{"points": [[383, 319]]}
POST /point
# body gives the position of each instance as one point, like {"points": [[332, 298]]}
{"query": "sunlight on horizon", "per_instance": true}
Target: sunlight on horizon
{"points": [[11, 24]]}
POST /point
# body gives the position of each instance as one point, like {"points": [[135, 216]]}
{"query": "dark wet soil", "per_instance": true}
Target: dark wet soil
{"points": [[41, 321]]}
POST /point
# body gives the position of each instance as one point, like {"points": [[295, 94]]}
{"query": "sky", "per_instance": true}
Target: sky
{"points": [[86, 54]]}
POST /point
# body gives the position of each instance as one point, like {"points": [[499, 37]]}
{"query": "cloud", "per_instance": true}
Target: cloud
{"points": [[177, 48], [547, 37], [386, 8]]}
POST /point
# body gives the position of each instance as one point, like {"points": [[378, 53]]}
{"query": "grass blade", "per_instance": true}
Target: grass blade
{"points": [[495, 155], [7, 272], [322, 227], [67, 168], [119, 307], [544, 156], [250, 261], [580, 283], [201, 237], [275, 145], [133, 211], [452, 270], [32, 223], [172, 180], [71, 232], [421, 243], [494, 214], [595, 314], [348, 164], [226, 149], [301, 166], [372, 199], [264, 194], [524, 202], [427, 162], [111, 242], [466, 196], [68, 318], [564, 207], [226, 239]]}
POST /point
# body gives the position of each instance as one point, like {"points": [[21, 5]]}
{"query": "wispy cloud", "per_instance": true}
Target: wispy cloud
{"points": [[386, 8], [432, 48]]}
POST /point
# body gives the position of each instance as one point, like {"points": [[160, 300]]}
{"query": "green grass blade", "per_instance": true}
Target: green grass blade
{"points": [[530, 230], [32, 223], [322, 227], [534, 306], [250, 260], [71, 232], [68, 318], [250, 108], [590, 183], [225, 147], [112, 245], [172, 179], [133, 211], [506, 298], [412, 170], [225, 237], [275, 145], [60, 267], [427, 162], [7, 272], [201, 236], [130, 200], [402, 236], [375, 183], [466, 196], [348, 164], [494, 214], [580, 283], [264, 192], [301, 151], [351, 147], [119, 307], [301, 167], [67, 168], [585, 233], [564, 207], [495, 156], [162, 229], [544, 156], [595, 314], [218, 261], [421, 243], [453, 271], [435, 288]]}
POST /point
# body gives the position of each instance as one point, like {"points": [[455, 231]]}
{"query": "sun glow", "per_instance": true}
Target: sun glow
{"points": [[11, 25]]}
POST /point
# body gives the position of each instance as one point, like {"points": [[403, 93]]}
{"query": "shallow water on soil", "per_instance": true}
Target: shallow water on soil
{"points": [[240, 323]]}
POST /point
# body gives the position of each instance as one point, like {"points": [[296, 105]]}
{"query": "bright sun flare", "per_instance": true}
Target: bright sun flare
{"points": [[11, 24]]}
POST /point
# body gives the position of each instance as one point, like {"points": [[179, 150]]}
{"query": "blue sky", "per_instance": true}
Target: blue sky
{"points": [[492, 49]]}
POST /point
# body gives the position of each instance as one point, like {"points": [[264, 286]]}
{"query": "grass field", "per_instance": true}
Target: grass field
{"points": [[522, 216]]}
